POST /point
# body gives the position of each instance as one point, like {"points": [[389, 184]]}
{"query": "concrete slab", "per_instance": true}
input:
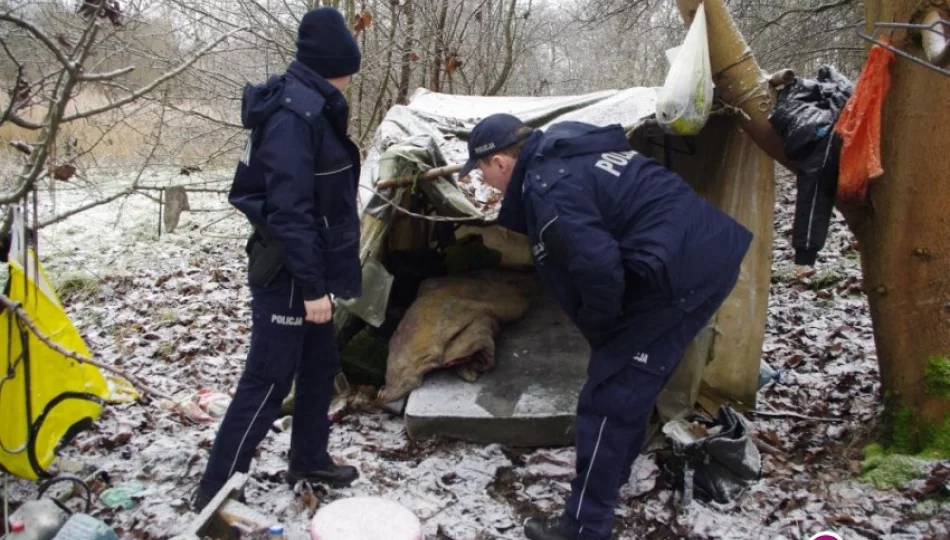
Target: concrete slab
{"points": [[529, 399]]}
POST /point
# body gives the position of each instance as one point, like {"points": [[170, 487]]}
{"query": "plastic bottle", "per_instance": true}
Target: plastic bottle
{"points": [[85, 527], [40, 519], [17, 528], [276, 532], [767, 375]]}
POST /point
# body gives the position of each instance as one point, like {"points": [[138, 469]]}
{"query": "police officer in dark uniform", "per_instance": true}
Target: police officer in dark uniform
{"points": [[296, 183], [636, 258]]}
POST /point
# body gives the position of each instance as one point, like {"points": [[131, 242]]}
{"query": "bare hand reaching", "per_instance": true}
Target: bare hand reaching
{"points": [[318, 311]]}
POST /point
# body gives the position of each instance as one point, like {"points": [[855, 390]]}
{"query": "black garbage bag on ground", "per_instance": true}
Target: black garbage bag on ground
{"points": [[717, 454], [805, 117]]}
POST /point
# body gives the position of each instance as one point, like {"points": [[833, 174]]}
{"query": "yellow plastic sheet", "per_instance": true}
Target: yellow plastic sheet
{"points": [[44, 395]]}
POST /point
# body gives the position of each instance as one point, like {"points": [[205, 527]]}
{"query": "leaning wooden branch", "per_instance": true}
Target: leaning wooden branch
{"points": [[410, 179], [15, 308], [788, 414]]}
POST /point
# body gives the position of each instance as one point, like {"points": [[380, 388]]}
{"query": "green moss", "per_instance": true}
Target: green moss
{"points": [[893, 470], [167, 315], [77, 286], [937, 376], [825, 279], [784, 274], [935, 440], [904, 430], [908, 435], [936, 506], [874, 451]]}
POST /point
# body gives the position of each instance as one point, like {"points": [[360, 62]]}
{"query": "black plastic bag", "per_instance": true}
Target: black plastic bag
{"points": [[716, 454]]}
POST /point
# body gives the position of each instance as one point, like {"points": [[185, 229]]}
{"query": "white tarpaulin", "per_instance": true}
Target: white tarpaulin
{"points": [[436, 125]]}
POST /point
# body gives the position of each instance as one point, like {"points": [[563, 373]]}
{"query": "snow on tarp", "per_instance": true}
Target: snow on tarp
{"points": [[438, 123]]}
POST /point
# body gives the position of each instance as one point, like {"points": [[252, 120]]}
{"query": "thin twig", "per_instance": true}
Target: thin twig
{"points": [[151, 86], [472, 219], [108, 75], [789, 414], [43, 38], [15, 308], [215, 222], [83, 208], [768, 448], [19, 77]]}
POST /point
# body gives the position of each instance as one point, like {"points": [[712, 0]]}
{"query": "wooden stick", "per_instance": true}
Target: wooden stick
{"points": [[22, 315], [768, 448], [408, 179], [781, 414]]}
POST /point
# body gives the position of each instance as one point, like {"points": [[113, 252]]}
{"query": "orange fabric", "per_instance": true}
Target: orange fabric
{"points": [[860, 127]]}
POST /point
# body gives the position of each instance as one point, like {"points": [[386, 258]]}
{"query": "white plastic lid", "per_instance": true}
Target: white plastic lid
{"points": [[365, 518]]}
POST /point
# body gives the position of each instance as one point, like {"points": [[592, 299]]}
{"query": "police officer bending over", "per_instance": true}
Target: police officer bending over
{"points": [[635, 257], [296, 183]]}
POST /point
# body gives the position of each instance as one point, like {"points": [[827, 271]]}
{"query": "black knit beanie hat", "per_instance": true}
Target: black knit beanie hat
{"points": [[325, 44]]}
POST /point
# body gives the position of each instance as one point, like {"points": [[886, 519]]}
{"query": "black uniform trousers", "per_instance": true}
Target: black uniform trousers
{"points": [[284, 347]]}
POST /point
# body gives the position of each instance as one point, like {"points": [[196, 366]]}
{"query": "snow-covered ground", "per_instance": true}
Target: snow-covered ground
{"points": [[174, 311]]}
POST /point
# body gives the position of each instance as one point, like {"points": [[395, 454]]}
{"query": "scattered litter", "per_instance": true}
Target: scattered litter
{"points": [[203, 407], [284, 423], [121, 496]]}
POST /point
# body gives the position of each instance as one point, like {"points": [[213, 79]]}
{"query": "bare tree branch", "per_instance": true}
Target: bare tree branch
{"points": [[22, 315], [154, 84], [41, 36], [108, 75], [509, 51]]}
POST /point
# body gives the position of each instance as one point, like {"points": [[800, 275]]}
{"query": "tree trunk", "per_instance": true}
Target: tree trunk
{"points": [[509, 51], [406, 68], [903, 237], [438, 48]]}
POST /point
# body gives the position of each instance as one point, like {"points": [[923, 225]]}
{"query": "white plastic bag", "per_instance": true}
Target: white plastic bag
{"points": [[684, 102]]}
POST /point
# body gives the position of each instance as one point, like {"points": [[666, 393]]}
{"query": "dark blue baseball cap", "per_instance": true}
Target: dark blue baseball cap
{"points": [[492, 135]]}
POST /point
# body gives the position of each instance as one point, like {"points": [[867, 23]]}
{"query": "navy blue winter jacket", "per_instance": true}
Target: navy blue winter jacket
{"points": [[626, 246], [298, 177]]}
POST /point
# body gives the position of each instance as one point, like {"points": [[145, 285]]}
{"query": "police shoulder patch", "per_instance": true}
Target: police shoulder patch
{"points": [[614, 162]]}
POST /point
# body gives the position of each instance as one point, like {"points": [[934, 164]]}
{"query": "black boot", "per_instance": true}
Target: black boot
{"points": [[198, 500], [337, 476], [551, 528]]}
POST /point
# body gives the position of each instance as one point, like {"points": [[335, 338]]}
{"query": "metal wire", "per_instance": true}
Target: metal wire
{"points": [[858, 29]]}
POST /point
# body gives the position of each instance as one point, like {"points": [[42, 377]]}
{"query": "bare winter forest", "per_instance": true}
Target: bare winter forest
{"points": [[161, 80]]}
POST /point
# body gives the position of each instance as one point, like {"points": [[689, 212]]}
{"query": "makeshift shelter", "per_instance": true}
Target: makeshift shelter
{"points": [[722, 163]]}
